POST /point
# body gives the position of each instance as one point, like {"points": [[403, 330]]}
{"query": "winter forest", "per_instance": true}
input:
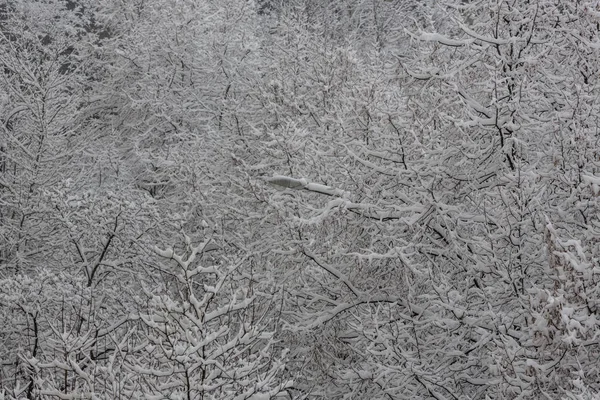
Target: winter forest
{"points": [[299, 199]]}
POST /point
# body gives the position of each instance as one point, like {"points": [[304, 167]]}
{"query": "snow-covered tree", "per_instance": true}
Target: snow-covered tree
{"points": [[430, 278], [384, 199]]}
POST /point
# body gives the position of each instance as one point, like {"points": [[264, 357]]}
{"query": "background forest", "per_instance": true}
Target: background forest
{"points": [[300, 199]]}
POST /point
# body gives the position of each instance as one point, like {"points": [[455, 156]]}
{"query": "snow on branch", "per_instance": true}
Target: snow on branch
{"points": [[366, 210], [285, 182], [436, 37]]}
